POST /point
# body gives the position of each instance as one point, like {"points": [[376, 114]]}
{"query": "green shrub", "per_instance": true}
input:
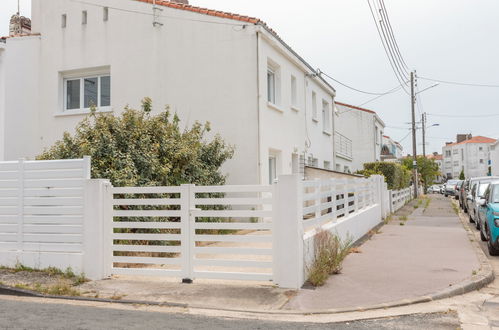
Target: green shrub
{"points": [[396, 176]]}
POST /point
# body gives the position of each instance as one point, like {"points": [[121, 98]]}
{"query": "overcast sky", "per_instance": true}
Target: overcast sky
{"points": [[445, 39]]}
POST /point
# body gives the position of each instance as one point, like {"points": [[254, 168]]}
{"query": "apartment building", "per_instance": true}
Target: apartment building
{"points": [[468, 154]]}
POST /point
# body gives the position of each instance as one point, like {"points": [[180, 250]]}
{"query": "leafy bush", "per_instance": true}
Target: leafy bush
{"points": [[139, 149], [427, 169], [330, 251], [396, 176]]}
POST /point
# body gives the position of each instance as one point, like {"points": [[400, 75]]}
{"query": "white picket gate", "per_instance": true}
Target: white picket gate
{"points": [[216, 232]]}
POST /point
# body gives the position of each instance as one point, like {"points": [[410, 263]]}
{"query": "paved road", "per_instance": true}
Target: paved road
{"points": [[39, 315]]}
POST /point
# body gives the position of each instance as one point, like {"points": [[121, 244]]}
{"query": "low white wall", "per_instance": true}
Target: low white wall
{"points": [[351, 228]]}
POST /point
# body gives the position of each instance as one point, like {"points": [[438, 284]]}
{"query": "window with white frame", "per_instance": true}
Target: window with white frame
{"points": [[326, 118], [376, 134], [294, 92], [273, 83], [86, 92], [272, 169], [327, 165], [314, 106]]}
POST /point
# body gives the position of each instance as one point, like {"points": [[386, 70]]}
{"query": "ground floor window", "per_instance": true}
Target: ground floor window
{"points": [[85, 92], [272, 169]]}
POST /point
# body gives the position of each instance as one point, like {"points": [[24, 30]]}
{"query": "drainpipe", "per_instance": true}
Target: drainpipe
{"points": [[258, 102]]}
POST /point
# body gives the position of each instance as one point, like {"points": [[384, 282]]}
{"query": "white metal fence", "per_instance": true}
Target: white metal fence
{"points": [[42, 212], [52, 214], [221, 232]]}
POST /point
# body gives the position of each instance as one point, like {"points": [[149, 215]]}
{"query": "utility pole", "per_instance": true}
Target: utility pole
{"points": [[414, 149], [423, 123]]}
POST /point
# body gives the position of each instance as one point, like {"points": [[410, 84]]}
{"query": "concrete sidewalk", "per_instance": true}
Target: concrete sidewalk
{"points": [[428, 252]]}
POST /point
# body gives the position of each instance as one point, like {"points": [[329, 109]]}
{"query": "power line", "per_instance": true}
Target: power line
{"points": [[464, 116], [405, 137], [355, 89], [459, 83], [393, 35], [385, 48], [377, 97]]}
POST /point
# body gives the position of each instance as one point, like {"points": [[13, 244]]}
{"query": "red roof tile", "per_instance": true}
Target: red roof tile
{"points": [[354, 107], [475, 139]]}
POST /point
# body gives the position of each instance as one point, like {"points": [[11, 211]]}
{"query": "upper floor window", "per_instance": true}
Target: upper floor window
{"points": [[326, 118], [377, 135], [447, 153], [84, 17], [105, 14], [294, 92], [455, 151], [273, 83], [314, 106], [86, 92], [480, 148], [64, 20]]}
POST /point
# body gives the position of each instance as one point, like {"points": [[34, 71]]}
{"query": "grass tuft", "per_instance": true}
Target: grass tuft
{"points": [[330, 251]]}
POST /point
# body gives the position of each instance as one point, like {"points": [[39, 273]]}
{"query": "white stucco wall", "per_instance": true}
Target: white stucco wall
{"points": [[205, 68], [3, 50], [205, 72], [494, 158], [360, 127], [466, 156]]}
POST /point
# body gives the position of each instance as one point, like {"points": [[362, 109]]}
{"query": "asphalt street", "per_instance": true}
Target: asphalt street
{"points": [[40, 315]]}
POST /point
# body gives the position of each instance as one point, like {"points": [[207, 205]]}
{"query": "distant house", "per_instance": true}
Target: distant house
{"points": [[364, 128], [494, 158], [439, 160], [391, 150], [231, 70], [469, 154]]}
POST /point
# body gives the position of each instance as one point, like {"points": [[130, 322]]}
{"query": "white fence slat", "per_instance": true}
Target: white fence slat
{"points": [[232, 214], [9, 192], [233, 251], [53, 210], [147, 248], [54, 183], [8, 210], [55, 201], [146, 237], [53, 219], [8, 228], [146, 190], [54, 192], [150, 201], [52, 229], [8, 219], [8, 237], [9, 175], [8, 246], [146, 213], [234, 238], [233, 225], [60, 164], [233, 263], [147, 260], [147, 225], [9, 166], [54, 247], [54, 174], [232, 201], [232, 188], [9, 183], [53, 238]]}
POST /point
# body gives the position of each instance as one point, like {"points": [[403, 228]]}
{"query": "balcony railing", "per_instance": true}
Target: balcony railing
{"points": [[343, 146]]}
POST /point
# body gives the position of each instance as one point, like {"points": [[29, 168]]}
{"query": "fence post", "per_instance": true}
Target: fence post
{"points": [[20, 211], [187, 233], [97, 229], [287, 232]]}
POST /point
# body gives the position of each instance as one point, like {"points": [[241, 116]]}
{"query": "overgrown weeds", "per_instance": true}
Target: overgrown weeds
{"points": [[330, 251]]}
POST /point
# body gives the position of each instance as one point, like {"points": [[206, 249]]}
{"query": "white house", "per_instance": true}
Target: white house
{"points": [[391, 150], [439, 160], [364, 128], [494, 158], [468, 154], [231, 70]]}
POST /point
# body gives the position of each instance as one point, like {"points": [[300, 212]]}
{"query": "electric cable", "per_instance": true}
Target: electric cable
{"points": [[459, 83]]}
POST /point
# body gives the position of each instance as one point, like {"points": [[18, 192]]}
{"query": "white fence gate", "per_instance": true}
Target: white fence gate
{"points": [[219, 232], [42, 212]]}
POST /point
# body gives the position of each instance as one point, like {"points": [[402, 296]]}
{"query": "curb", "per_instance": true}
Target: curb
{"points": [[483, 277]]}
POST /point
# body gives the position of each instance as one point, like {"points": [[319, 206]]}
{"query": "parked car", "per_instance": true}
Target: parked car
{"points": [[477, 194], [463, 192], [450, 188], [442, 189], [489, 207], [457, 191], [435, 189]]}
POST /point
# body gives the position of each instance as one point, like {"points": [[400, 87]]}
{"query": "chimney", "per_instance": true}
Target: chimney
{"points": [[185, 2], [435, 153], [19, 25], [463, 137]]}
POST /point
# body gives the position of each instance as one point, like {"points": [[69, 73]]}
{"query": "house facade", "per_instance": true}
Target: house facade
{"points": [[230, 70], [469, 154], [364, 128], [391, 150], [439, 161], [494, 158]]}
